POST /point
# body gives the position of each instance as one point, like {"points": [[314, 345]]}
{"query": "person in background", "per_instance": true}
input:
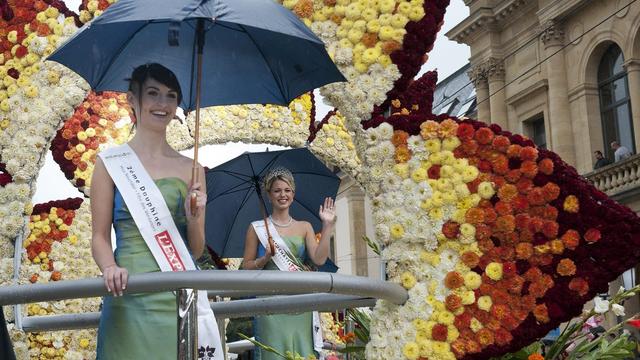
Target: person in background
{"points": [[601, 161], [620, 151]]}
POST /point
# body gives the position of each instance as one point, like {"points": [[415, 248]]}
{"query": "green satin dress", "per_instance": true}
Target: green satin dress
{"points": [[141, 326], [285, 332]]}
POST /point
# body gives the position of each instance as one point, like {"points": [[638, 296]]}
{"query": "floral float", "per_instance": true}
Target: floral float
{"points": [[496, 241]]}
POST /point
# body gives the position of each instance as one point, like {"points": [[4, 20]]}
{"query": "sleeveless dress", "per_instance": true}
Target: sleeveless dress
{"points": [[285, 332], [141, 326]]}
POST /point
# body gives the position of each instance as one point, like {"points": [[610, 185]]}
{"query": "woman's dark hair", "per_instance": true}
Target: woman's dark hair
{"points": [[157, 72]]}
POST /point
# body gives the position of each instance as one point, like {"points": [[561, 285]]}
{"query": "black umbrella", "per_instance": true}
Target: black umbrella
{"points": [[235, 199]]}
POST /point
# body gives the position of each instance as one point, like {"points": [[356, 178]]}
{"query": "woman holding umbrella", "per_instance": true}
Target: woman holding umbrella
{"points": [[134, 185], [283, 243]]}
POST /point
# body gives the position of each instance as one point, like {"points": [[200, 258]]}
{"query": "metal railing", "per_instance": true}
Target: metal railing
{"points": [[307, 291]]}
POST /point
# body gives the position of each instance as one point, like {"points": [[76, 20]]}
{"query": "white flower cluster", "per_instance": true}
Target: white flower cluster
{"points": [[178, 135], [334, 144]]}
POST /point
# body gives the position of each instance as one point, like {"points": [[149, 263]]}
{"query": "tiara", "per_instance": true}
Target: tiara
{"points": [[275, 173]]}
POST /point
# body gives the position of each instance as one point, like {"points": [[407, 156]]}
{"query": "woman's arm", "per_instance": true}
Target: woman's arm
{"points": [[251, 251], [195, 222], [319, 251], [115, 277]]}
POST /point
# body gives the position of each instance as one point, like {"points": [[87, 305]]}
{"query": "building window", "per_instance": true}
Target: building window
{"points": [[615, 107], [537, 132]]}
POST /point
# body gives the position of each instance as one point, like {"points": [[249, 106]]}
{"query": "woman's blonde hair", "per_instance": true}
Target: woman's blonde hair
{"points": [[279, 173]]}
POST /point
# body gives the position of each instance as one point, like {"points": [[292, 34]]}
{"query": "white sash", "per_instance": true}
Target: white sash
{"points": [[153, 218], [282, 259]]}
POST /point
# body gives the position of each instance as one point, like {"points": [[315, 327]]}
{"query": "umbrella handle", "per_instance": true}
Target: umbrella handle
{"points": [[272, 245], [194, 199]]}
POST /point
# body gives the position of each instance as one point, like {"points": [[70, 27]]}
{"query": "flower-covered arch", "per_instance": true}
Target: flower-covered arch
{"points": [[496, 241]]}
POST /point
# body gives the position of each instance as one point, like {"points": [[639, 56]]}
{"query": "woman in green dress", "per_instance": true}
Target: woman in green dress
{"points": [[144, 326], [287, 332]]}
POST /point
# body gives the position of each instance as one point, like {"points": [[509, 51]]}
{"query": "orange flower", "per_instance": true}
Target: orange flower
{"points": [[499, 311], [470, 147], [453, 302], [513, 175], [472, 347], [429, 129], [557, 246], [566, 267], [503, 208], [474, 216], [529, 153], [550, 213], [303, 8], [500, 164], [592, 235], [490, 215], [535, 356], [524, 250], [503, 337], [579, 285], [483, 232], [550, 229], [520, 204], [532, 274], [571, 204], [541, 313], [56, 275], [529, 169], [453, 280], [369, 40], [506, 223], [448, 128], [399, 138], [470, 259], [546, 166], [571, 239], [513, 151], [459, 349], [484, 135], [501, 143], [507, 192], [390, 46], [536, 196], [403, 154], [485, 337]]}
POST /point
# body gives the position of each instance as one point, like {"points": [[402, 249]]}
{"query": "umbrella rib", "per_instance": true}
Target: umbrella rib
{"points": [[235, 217], [265, 60], [230, 191], [268, 165], [233, 173]]}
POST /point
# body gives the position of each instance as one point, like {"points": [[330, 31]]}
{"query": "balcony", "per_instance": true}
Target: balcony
{"points": [[621, 181]]}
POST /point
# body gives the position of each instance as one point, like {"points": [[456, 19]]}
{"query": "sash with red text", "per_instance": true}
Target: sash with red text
{"points": [[153, 218]]}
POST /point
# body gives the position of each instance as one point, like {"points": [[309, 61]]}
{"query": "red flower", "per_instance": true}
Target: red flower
{"points": [[439, 332], [451, 229], [592, 235], [503, 208], [513, 151], [503, 337], [484, 136], [483, 232], [566, 267], [501, 143], [474, 216], [529, 168], [485, 337], [541, 314], [524, 250], [635, 323], [462, 321], [571, 239], [453, 302], [490, 215], [507, 192], [470, 147], [434, 172], [550, 229], [506, 223], [465, 132], [579, 285]]}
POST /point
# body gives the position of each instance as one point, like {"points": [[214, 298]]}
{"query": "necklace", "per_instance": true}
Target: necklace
{"points": [[281, 225]]}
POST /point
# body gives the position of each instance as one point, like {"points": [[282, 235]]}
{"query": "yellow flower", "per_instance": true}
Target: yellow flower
{"points": [[445, 317], [452, 332], [472, 280], [397, 231], [430, 258], [12, 36], [402, 170], [469, 174], [386, 32], [450, 143], [4, 124], [84, 343], [494, 271], [82, 136], [373, 26], [399, 20], [330, 141], [475, 325], [408, 280], [80, 148], [384, 60], [419, 175], [468, 297], [73, 239], [52, 12], [433, 145], [436, 213], [361, 67], [371, 55], [467, 230], [485, 190], [485, 303], [53, 77], [386, 6], [411, 350]]}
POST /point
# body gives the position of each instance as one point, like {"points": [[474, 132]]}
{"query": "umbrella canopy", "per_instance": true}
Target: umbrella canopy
{"points": [[233, 189], [253, 51]]}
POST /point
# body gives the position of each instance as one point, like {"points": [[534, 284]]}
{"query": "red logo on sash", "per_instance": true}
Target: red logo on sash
{"points": [[169, 250]]}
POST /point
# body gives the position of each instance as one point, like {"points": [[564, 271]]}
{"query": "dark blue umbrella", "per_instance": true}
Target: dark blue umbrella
{"points": [[238, 51], [234, 199]]}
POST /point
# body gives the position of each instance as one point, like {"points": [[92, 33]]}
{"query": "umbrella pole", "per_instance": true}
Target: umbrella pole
{"points": [[194, 170]]}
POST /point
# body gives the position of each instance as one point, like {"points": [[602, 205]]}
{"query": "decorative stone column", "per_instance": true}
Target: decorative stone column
{"points": [[479, 78], [559, 113], [357, 229], [633, 77], [494, 69]]}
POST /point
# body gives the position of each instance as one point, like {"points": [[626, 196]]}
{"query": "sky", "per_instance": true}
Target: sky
{"points": [[447, 57]]}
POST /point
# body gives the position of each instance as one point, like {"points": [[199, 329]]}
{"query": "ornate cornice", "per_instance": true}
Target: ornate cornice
{"points": [[482, 20]]}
